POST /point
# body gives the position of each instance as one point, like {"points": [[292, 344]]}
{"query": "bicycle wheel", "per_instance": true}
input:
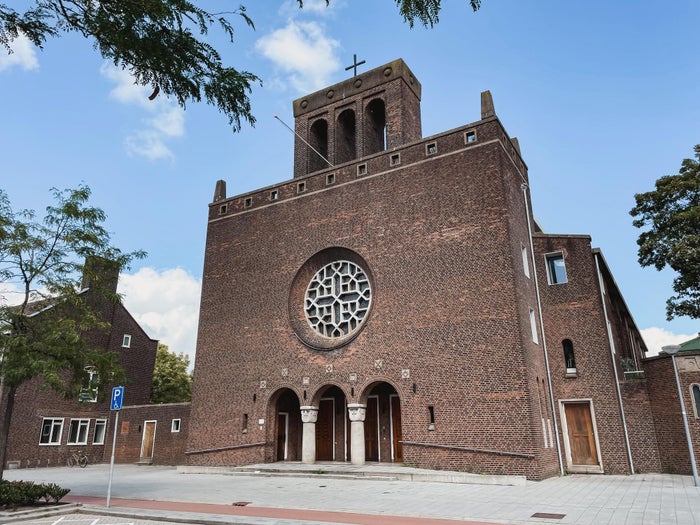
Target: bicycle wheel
{"points": [[70, 461], [83, 461]]}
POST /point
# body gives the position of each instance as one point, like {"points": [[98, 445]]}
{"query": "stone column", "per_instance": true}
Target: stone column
{"points": [[309, 415], [356, 413]]}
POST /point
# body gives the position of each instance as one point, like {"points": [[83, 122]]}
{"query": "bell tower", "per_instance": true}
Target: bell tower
{"points": [[368, 113]]}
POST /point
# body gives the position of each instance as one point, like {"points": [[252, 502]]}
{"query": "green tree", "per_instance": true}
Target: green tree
{"points": [[672, 214], [163, 43], [45, 263], [172, 383]]}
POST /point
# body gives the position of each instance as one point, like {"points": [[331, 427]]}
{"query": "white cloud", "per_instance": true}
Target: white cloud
{"points": [[167, 122], [23, 55], [304, 52], [166, 305], [655, 338]]}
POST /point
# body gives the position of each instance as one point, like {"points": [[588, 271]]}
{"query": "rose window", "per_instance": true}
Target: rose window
{"points": [[337, 299]]}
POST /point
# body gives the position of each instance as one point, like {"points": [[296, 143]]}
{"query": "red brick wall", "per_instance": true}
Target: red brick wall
{"points": [[441, 236]]}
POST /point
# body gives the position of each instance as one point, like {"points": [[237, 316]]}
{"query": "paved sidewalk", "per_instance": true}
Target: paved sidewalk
{"points": [[291, 494]]}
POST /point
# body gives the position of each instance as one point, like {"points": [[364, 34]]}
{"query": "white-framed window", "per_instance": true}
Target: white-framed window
{"points": [[533, 327], [175, 425], [51, 431], [126, 341], [556, 269], [526, 264], [78, 431], [98, 437], [569, 358]]}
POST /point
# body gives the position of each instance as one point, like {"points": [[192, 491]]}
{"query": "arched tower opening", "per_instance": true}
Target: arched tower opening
{"points": [[345, 141], [375, 127], [318, 138]]}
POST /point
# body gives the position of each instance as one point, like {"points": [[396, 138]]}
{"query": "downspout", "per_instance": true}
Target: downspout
{"points": [[611, 345], [524, 187]]}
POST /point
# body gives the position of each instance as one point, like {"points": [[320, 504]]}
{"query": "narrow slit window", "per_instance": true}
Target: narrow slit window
{"points": [[245, 423], [301, 187], [556, 268], [695, 391], [533, 327], [431, 149], [569, 359], [526, 264], [248, 202], [330, 178], [431, 417], [274, 195]]}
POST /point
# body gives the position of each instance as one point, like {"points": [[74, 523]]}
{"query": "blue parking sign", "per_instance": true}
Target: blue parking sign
{"points": [[117, 398]]}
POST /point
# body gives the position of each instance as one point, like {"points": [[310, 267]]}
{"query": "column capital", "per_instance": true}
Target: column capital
{"points": [[309, 414], [356, 411]]}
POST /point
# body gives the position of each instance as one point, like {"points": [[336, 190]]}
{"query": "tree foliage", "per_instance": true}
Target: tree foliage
{"points": [[45, 317], [671, 213], [163, 43], [172, 383]]}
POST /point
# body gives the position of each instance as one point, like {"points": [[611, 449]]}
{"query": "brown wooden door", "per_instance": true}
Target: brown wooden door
{"points": [[396, 428], [581, 438], [282, 436], [325, 430], [148, 441], [371, 430]]}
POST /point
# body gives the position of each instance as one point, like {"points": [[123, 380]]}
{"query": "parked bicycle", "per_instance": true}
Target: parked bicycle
{"points": [[77, 458]]}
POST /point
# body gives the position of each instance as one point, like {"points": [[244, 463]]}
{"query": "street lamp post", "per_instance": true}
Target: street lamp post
{"points": [[672, 350]]}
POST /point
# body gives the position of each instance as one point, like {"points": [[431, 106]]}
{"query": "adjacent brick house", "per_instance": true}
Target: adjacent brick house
{"points": [[45, 428]]}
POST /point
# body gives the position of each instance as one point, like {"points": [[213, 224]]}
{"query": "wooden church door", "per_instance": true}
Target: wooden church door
{"points": [[325, 430], [580, 432]]}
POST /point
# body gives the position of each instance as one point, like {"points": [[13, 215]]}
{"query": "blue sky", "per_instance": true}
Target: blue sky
{"points": [[603, 97]]}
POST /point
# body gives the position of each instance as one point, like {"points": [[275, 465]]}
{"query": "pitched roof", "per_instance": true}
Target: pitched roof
{"points": [[693, 344]]}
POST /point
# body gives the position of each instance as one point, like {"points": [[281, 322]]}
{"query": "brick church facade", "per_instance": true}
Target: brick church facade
{"points": [[396, 301]]}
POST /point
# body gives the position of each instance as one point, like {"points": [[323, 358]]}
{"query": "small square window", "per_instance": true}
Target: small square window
{"points": [[248, 202], [431, 149], [556, 269], [223, 209], [301, 187], [362, 169], [330, 178], [395, 159], [126, 341], [470, 136], [274, 195], [175, 425]]}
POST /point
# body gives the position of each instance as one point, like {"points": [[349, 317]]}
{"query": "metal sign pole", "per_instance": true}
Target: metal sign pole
{"points": [[116, 405], [111, 462]]}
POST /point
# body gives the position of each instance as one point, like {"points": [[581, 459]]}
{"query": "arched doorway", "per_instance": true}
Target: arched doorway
{"points": [[383, 433], [288, 429], [332, 426]]}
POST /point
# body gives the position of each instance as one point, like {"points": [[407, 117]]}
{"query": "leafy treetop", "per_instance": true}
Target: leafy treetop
{"points": [[671, 213]]}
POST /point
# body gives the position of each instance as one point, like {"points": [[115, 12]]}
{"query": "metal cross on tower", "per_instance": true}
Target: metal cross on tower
{"points": [[354, 65]]}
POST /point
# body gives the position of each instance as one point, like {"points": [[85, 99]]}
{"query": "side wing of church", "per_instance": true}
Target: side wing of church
{"points": [[397, 302]]}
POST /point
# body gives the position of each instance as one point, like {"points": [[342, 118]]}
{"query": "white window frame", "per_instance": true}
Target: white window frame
{"points": [[533, 327], [175, 425], [126, 341], [55, 421], [89, 394], [82, 427], [526, 262], [696, 408], [551, 276], [103, 424]]}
